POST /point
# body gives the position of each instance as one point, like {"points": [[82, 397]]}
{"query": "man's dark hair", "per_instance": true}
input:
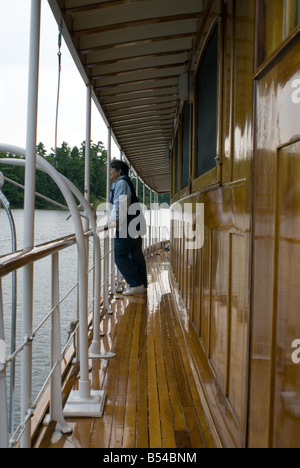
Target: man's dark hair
{"points": [[120, 166]]}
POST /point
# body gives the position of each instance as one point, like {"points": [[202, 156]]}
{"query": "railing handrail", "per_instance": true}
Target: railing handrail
{"points": [[14, 261]]}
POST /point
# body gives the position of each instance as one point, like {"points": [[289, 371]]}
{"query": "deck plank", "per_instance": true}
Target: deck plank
{"points": [[152, 397], [193, 427], [117, 433], [167, 424], [206, 437], [131, 402], [174, 376], [103, 427], [142, 432], [154, 410]]}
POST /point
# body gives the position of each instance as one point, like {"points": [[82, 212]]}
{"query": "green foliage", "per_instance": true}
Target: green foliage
{"points": [[71, 163], [13, 194], [163, 198]]}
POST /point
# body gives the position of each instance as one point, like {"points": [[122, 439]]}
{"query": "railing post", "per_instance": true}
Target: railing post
{"points": [[158, 218], [145, 237], [106, 236], [95, 346], [150, 227], [106, 273], [3, 400], [87, 178], [56, 407], [87, 171], [108, 171], [112, 268], [154, 223], [83, 402], [29, 208]]}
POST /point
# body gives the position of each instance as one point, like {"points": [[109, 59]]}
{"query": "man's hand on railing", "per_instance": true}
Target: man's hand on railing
{"points": [[110, 225], [113, 224]]}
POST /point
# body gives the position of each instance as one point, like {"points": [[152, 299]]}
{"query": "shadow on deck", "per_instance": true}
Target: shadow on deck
{"points": [[153, 397]]}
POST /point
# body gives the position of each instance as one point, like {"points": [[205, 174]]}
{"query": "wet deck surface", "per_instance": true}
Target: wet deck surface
{"points": [[152, 397]]}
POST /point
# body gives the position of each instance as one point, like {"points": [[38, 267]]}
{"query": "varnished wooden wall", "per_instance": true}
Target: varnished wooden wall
{"points": [[215, 280], [275, 378], [242, 288]]}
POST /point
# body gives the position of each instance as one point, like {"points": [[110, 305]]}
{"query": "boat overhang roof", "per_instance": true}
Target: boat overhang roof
{"points": [[132, 53]]}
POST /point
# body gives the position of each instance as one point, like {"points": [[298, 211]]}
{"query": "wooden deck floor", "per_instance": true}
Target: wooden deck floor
{"points": [[152, 397]]}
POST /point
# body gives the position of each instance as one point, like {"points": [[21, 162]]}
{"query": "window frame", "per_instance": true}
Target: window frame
{"points": [[268, 45], [212, 177]]}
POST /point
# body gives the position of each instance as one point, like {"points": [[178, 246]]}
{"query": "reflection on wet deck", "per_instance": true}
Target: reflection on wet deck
{"points": [[152, 397]]}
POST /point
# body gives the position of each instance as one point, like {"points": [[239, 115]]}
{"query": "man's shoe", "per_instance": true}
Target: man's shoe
{"points": [[138, 291]]}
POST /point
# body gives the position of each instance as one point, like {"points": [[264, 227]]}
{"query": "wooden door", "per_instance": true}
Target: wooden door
{"points": [[274, 409]]}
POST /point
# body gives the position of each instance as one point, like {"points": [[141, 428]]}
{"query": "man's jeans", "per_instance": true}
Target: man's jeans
{"points": [[130, 261]]}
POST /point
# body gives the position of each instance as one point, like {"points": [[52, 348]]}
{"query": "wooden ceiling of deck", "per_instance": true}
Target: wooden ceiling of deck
{"points": [[133, 52]]}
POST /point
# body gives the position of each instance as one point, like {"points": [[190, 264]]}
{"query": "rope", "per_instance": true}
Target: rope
{"points": [[59, 54], [43, 197]]}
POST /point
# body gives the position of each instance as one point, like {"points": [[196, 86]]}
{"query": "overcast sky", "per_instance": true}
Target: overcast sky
{"points": [[14, 52]]}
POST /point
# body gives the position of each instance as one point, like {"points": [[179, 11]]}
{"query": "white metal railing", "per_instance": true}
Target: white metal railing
{"points": [[9, 264], [103, 283], [15, 261]]}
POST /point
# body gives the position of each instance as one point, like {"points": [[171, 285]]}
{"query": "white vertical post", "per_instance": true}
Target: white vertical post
{"points": [[112, 272], [87, 180], [112, 269], [119, 276], [154, 222], [87, 171], [150, 226], [3, 399], [108, 170], [32, 113], [29, 207], [105, 271], [106, 239], [144, 238], [56, 408], [155, 219]]}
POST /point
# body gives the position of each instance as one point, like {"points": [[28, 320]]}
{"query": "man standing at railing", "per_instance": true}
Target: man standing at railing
{"points": [[126, 216]]}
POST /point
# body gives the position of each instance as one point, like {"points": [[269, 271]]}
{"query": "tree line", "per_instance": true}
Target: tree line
{"points": [[70, 162]]}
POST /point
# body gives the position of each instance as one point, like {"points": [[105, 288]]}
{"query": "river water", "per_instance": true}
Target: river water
{"points": [[49, 225]]}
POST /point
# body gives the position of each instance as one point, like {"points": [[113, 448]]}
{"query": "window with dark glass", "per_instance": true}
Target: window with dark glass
{"points": [[297, 12], [186, 145], [207, 91]]}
